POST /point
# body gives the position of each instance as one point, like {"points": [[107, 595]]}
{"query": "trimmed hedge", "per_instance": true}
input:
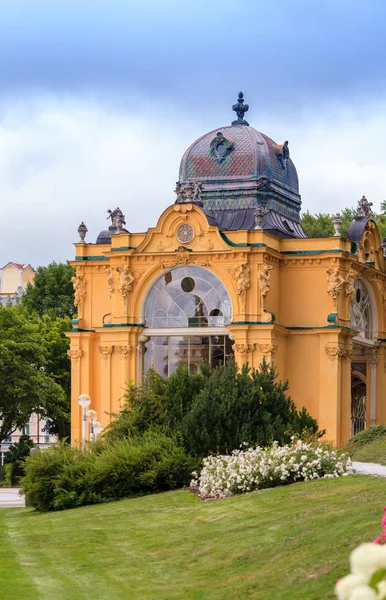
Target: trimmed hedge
{"points": [[63, 477]]}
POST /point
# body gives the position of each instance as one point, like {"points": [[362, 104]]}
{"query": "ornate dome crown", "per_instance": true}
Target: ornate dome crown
{"points": [[237, 168]]}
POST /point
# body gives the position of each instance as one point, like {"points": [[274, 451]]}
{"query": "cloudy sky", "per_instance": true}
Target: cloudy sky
{"points": [[100, 98]]}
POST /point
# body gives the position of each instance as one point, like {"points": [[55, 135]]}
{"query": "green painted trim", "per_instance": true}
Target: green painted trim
{"points": [[123, 325], [77, 329], [251, 323], [316, 327], [332, 318], [381, 339], [75, 321], [242, 245], [123, 248], [311, 252], [81, 258]]}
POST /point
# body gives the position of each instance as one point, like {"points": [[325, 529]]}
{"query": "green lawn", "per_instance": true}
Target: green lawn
{"points": [[287, 543]]}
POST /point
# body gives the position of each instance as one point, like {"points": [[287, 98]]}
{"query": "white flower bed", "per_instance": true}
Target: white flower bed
{"points": [[257, 468]]}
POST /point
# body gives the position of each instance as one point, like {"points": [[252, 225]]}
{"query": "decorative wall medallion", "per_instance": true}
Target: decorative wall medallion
{"points": [[220, 147], [185, 233]]}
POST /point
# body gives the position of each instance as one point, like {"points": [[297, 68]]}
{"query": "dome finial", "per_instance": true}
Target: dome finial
{"points": [[240, 108]]}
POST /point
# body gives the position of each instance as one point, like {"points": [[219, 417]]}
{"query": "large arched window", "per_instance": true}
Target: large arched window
{"points": [[185, 317], [188, 297]]}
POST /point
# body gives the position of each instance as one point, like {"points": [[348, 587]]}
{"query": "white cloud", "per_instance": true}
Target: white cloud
{"points": [[65, 161]]}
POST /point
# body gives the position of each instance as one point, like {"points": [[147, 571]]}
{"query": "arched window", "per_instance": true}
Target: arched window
{"points": [[188, 297], [361, 312], [185, 317]]}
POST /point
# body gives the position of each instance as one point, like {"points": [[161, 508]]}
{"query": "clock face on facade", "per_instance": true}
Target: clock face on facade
{"points": [[185, 233]]}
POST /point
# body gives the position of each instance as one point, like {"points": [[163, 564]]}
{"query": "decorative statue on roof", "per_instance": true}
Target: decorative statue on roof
{"points": [[188, 192], [259, 215], [364, 208], [117, 219], [283, 154], [240, 109]]}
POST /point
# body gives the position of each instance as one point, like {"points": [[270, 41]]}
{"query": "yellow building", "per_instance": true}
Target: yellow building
{"points": [[14, 278], [229, 270]]}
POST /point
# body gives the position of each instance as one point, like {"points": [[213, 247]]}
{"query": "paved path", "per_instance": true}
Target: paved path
{"points": [[9, 497], [369, 469]]}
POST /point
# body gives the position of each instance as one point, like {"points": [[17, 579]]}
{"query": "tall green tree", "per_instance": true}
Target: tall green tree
{"points": [[25, 386], [52, 291], [58, 367], [320, 224]]}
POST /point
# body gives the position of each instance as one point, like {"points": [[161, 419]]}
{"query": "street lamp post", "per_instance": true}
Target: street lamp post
{"points": [[84, 401], [98, 428], [92, 416]]}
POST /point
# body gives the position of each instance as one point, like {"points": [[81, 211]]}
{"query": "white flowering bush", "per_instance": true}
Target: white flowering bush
{"points": [[367, 580], [258, 468]]}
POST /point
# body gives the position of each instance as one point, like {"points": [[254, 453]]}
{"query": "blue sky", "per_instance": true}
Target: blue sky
{"points": [[99, 100]]}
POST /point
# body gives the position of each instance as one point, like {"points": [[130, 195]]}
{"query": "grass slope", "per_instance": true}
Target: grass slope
{"points": [[375, 452], [288, 543]]}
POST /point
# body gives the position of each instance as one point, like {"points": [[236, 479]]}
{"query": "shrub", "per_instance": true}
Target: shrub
{"points": [[367, 436], [14, 459], [258, 468], [62, 477], [215, 410]]}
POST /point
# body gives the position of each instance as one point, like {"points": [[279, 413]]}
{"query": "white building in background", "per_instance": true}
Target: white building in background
{"points": [[14, 278], [35, 429]]}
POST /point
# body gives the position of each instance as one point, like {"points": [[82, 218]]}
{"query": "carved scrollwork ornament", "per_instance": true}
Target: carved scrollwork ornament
{"points": [[184, 257], [105, 351], [75, 354], [373, 359], [339, 352], [124, 352], [267, 348], [244, 349], [220, 147]]}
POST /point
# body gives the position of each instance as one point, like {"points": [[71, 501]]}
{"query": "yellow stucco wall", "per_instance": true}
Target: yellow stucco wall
{"points": [[301, 322], [12, 277]]}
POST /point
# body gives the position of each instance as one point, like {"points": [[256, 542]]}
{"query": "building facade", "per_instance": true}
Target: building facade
{"points": [[14, 278], [228, 271], [35, 428]]}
